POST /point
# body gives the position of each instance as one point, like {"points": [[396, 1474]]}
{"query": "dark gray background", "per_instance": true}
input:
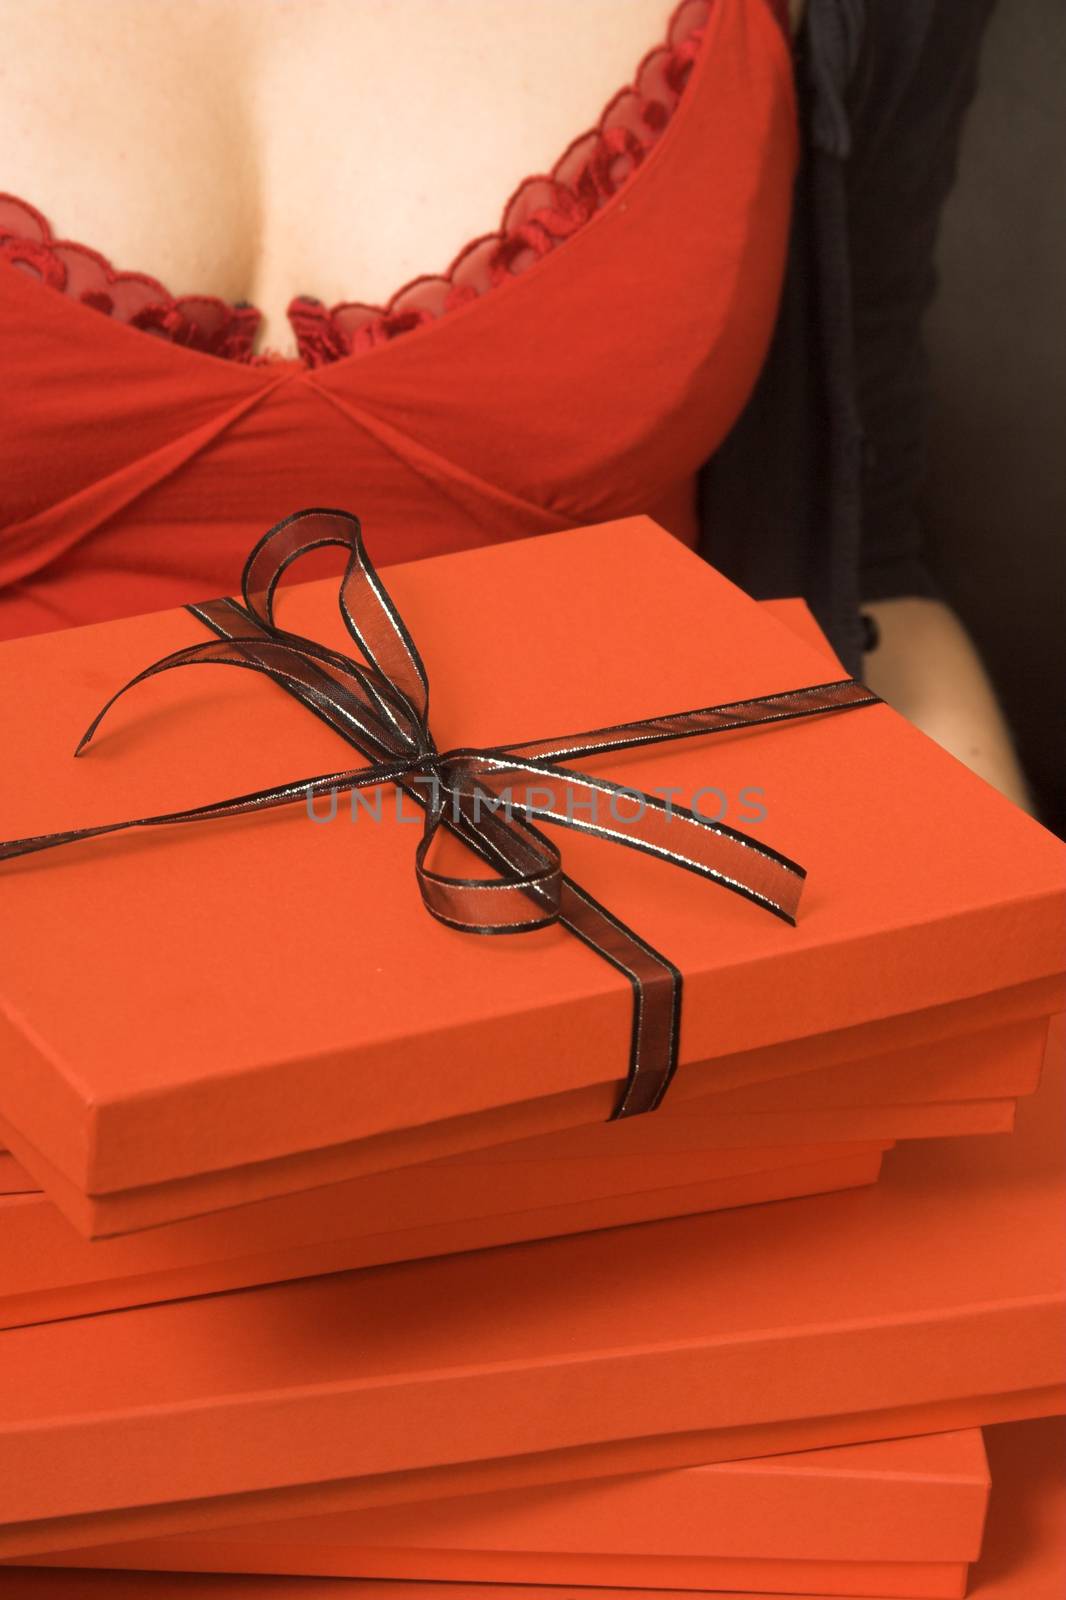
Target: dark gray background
{"points": [[994, 504]]}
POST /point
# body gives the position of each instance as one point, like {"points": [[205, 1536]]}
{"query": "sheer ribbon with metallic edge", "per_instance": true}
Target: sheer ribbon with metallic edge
{"points": [[487, 797]]}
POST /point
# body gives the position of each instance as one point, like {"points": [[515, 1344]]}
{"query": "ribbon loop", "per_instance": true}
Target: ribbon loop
{"points": [[367, 610]]}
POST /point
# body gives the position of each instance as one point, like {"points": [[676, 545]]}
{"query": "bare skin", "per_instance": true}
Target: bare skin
{"points": [[258, 149], [927, 667]]}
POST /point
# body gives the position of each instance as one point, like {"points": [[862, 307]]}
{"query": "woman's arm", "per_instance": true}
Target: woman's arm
{"points": [[926, 666], [914, 80]]}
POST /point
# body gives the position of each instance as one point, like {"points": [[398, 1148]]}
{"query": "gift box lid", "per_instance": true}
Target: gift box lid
{"points": [[49, 1271], [959, 1084], [1023, 1556], [663, 1344], [245, 989], [897, 1500]]}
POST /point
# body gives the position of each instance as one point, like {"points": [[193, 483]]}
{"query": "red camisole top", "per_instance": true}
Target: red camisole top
{"points": [[577, 365]]}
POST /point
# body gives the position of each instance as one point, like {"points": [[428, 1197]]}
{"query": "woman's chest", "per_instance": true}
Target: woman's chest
{"points": [[258, 149]]}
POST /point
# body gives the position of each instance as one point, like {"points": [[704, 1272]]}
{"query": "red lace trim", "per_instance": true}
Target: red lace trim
{"points": [[542, 213], [202, 322]]}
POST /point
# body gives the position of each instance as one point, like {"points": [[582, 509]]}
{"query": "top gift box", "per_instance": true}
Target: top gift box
{"points": [[255, 1003]]}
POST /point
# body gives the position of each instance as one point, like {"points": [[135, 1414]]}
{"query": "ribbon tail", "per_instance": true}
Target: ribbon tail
{"points": [[672, 833], [656, 985], [733, 716], [282, 794]]}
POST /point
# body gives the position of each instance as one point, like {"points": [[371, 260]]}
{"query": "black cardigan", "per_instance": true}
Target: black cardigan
{"points": [[814, 490]]}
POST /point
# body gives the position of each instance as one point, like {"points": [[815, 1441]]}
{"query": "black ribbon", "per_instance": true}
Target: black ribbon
{"points": [[487, 797]]}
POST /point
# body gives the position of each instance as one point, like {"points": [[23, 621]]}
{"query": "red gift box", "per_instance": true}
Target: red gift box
{"points": [[261, 1003], [933, 1300], [1023, 1554], [48, 1270], [568, 1182], [903, 1517]]}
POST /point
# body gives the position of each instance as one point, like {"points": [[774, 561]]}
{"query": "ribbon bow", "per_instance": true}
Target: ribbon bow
{"points": [[486, 797]]}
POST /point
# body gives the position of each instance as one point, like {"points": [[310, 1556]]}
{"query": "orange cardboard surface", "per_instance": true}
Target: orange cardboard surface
{"points": [[151, 1030], [930, 1301], [1023, 1554], [562, 1183], [14, 1179], [48, 1270], [898, 1093], [901, 1517]]}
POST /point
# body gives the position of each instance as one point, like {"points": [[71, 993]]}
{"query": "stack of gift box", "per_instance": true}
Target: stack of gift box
{"points": [[327, 1263]]}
